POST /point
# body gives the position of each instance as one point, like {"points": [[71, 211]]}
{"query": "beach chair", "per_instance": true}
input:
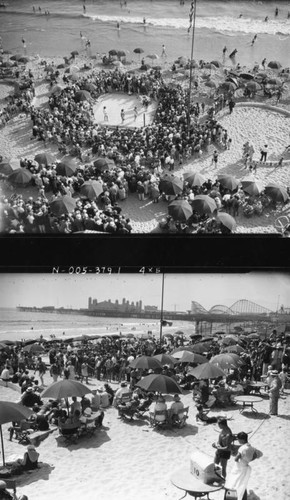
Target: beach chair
{"points": [[158, 419], [179, 420], [22, 431], [11, 485]]}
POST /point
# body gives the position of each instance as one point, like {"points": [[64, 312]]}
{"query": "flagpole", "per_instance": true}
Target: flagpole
{"points": [[191, 59], [161, 315]]}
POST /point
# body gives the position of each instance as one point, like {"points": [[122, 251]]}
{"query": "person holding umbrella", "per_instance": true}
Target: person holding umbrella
{"points": [[223, 446]]}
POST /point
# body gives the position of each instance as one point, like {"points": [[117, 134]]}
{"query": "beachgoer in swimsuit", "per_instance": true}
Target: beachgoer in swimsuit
{"points": [[232, 55], [163, 53], [122, 115]]}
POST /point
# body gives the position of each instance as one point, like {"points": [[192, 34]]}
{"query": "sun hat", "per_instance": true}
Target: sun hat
{"points": [[32, 453]]}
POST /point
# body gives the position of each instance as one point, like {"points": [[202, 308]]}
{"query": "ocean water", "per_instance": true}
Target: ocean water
{"points": [[17, 325], [218, 23]]}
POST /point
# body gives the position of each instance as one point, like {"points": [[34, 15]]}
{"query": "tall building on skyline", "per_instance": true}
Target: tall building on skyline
{"points": [[108, 305]]}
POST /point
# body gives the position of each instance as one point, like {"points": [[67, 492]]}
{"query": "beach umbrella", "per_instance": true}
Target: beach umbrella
{"points": [[274, 65], [103, 164], [16, 57], [64, 389], [9, 166], [227, 87], [236, 349], [138, 50], [64, 205], [253, 86], [152, 56], [121, 53], [253, 336], [56, 90], [145, 363], [10, 342], [194, 178], [171, 184], [74, 53], [82, 95], [113, 52], [206, 371], [262, 75], [210, 84], [203, 204], [118, 64], [159, 383], [226, 360], [189, 357], [181, 60], [33, 348], [20, 177], [227, 220], [226, 341], [246, 76], [11, 412], [67, 166], [217, 64], [91, 189], [44, 159], [252, 187], [229, 182], [165, 359], [276, 193], [183, 348], [61, 66], [200, 347], [210, 66], [180, 210]]}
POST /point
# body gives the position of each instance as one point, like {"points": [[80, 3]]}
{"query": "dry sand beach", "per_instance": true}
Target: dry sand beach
{"points": [[261, 122], [130, 460]]}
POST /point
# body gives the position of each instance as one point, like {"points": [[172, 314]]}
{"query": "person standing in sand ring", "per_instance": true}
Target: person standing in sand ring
{"points": [[106, 118], [122, 115], [135, 113], [163, 53]]}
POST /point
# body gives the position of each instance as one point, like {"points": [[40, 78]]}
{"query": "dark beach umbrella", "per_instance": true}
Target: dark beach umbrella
{"points": [[252, 187], [44, 159], [9, 342], [230, 340], [210, 66], [217, 64], [103, 164], [11, 412], [74, 53], [165, 359], [226, 360], [138, 50], [91, 189], [227, 220], [274, 65], [204, 204], [194, 178], [82, 95], [253, 86], [67, 166], [16, 57], [229, 182], [64, 389], [180, 210], [61, 66], [159, 383], [145, 363], [121, 53], [113, 52], [227, 87], [145, 67], [20, 177], [253, 336], [246, 76], [23, 60], [206, 371], [276, 193], [200, 347], [64, 205], [152, 56], [171, 184], [189, 357], [9, 166], [33, 348]]}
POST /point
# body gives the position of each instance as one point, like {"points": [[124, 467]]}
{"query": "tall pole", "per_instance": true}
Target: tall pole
{"points": [[161, 315], [191, 68]]}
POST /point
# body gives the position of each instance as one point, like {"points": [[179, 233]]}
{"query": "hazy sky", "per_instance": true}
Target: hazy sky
{"points": [[266, 289]]}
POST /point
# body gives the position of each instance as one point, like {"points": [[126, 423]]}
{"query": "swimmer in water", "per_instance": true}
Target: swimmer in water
{"points": [[266, 19], [241, 15], [232, 55], [118, 26], [224, 50], [144, 20], [254, 39]]}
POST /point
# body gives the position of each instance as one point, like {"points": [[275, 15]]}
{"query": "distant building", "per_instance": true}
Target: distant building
{"points": [[107, 305], [150, 308]]}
